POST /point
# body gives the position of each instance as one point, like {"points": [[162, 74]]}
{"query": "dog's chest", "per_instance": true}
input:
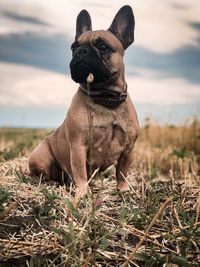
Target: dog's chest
{"points": [[111, 133], [110, 136]]}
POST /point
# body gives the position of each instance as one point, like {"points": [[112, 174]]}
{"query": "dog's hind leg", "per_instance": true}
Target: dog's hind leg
{"points": [[41, 161]]}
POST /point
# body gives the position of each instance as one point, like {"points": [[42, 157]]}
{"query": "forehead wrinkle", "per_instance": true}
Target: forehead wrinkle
{"points": [[91, 36], [88, 36], [100, 39]]}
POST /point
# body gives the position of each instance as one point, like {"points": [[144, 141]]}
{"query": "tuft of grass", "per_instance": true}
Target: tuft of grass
{"points": [[15, 142], [172, 151], [181, 152], [5, 197], [48, 208]]}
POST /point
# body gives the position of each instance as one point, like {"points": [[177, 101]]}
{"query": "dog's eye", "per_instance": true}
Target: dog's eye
{"points": [[103, 47]]}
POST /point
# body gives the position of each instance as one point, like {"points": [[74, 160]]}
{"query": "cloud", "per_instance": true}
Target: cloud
{"points": [[167, 91], [27, 86], [184, 62], [161, 26], [22, 18], [22, 85], [44, 51]]}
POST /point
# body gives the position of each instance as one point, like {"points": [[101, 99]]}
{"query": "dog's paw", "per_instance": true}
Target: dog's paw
{"points": [[81, 191]]}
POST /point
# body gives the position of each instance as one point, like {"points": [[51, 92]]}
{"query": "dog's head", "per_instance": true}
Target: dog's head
{"points": [[101, 52]]}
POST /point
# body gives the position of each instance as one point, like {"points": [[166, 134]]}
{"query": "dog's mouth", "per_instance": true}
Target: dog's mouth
{"points": [[80, 72]]}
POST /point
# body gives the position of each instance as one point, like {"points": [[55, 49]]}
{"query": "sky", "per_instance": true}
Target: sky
{"points": [[162, 65]]}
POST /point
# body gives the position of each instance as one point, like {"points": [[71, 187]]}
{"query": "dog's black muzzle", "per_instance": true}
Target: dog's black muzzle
{"points": [[85, 60]]}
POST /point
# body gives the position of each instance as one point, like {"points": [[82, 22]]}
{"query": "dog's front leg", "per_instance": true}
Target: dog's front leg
{"points": [[123, 166], [78, 154]]}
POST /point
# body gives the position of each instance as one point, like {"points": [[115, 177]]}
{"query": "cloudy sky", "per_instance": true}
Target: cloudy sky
{"points": [[162, 66]]}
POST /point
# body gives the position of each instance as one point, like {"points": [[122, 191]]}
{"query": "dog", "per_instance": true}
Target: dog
{"points": [[101, 125]]}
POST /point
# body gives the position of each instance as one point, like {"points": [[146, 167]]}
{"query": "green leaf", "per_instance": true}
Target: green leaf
{"points": [[180, 260], [74, 211]]}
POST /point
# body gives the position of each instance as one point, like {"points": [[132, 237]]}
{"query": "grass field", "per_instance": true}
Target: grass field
{"points": [[40, 226]]}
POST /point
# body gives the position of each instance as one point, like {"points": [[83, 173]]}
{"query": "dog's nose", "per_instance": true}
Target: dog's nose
{"points": [[82, 51]]}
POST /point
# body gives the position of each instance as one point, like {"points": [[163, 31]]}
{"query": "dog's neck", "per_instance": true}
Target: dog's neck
{"points": [[111, 95], [116, 83]]}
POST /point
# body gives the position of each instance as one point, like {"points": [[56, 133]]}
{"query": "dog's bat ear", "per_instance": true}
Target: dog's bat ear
{"points": [[83, 23], [123, 26]]}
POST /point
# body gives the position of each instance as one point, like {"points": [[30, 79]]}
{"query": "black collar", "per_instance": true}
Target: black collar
{"points": [[106, 97]]}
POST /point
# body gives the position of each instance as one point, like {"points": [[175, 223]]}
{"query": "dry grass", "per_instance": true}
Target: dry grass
{"points": [[39, 226]]}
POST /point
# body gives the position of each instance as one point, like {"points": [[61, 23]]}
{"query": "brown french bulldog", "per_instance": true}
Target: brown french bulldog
{"points": [[101, 125]]}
